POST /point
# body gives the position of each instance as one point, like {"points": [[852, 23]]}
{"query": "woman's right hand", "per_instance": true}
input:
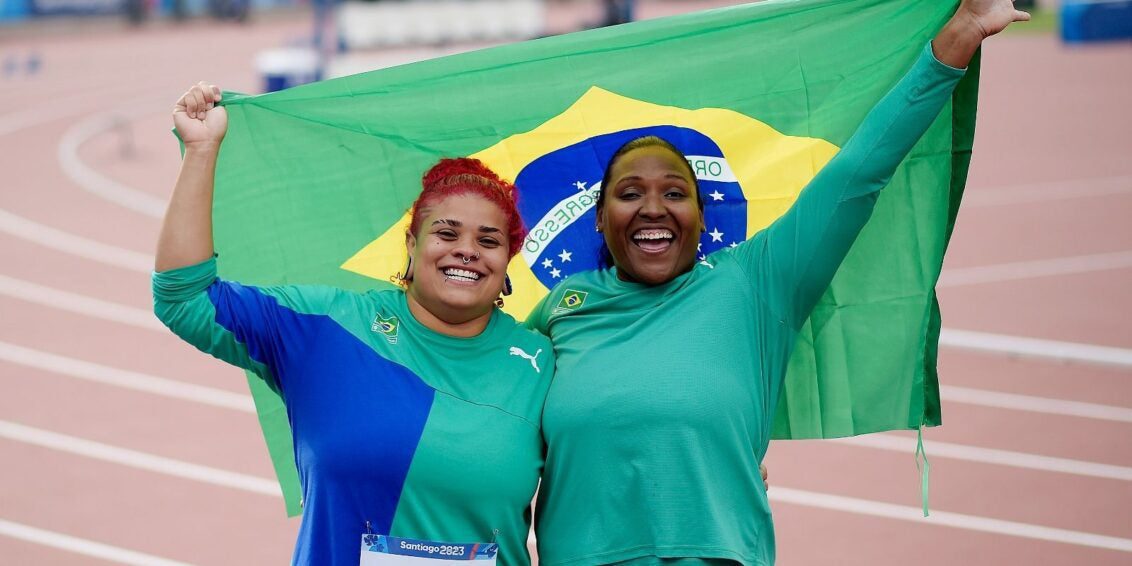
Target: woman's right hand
{"points": [[198, 120], [186, 234]]}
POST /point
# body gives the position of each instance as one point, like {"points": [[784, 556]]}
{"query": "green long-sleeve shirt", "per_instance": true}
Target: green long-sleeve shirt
{"points": [[398, 430], [664, 396]]}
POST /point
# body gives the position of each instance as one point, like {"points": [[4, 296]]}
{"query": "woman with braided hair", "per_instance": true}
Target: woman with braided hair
{"points": [[415, 414]]}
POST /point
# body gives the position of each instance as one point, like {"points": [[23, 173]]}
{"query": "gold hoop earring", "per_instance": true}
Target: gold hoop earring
{"points": [[403, 279]]}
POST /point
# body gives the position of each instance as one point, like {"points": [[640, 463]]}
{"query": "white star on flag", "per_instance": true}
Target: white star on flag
{"points": [[716, 235], [580, 184], [716, 195], [555, 273], [547, 263], [565, 256], [733, 245]]}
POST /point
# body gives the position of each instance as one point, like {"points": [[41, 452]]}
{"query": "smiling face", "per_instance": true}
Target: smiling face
{"points": [[460, 256], [650, 215]]}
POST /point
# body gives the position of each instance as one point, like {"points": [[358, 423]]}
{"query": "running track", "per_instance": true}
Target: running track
{"points": [[120, 444]]}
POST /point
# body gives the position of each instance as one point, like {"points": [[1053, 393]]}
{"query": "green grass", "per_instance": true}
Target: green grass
{"points": [[1041, 22]]}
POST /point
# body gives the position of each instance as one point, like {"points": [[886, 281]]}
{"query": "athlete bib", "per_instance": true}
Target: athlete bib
{"points": [[382, 550]]}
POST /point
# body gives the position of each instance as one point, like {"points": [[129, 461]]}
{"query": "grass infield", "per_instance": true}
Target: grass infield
{"points": [[1041, 22]]}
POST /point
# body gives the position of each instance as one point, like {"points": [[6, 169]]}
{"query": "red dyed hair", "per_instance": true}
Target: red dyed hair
{"points": [[464, 176]]}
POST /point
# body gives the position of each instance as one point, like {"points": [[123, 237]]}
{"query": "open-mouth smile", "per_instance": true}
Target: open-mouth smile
{"points": [[459, 275], [653, 240]]}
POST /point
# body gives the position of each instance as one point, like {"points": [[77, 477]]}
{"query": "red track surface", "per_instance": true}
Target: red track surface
{"points": [[1055, 127]]}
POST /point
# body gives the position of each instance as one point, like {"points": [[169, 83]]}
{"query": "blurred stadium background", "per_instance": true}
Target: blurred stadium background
{"points": [[119, 444]]}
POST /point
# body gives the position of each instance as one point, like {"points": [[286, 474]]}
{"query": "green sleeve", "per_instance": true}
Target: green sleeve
{"points": [[794, 259], [181, 303], [193, 303], [243, 325]]}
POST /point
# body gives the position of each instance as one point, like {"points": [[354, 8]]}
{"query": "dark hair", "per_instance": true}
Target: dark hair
{"points": [[465, 175], [605, 259]]}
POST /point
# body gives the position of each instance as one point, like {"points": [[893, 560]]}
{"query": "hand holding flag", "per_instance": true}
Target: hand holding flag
{"points": [[197, 118], [992, 16], [186, 233], [974, 21]]}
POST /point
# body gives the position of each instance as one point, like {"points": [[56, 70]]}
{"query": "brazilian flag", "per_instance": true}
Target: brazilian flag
{"points": [[314, 182]]}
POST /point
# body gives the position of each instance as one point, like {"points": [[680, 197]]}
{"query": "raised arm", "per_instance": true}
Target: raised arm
{"points": [[234, 323], [796, 257], [186, 234]]}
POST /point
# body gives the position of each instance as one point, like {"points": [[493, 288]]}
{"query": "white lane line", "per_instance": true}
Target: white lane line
{"points": [[952, 338], [137, 200], [225, 399], [1035, 347], [59, 240], [172, 388], [946, 519], [265, 486], [16, 121], [135, 459], [143, 202], [1054, 190], [217, 397], [961, 339], [93, 181], [80, 304], [82, 546], [1013, 271], [125, 379], [56, 109], [991, 456], [1043, 405]]}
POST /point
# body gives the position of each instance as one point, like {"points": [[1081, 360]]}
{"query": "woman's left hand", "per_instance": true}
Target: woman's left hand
{"points": [[974, 21], [762, 470], [991, 16]]}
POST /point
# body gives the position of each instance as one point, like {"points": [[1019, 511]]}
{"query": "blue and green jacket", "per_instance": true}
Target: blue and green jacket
{"points": [[398, 430]]}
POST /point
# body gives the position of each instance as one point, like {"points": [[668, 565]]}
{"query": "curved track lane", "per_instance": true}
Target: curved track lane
{"points": [[123, 445]]}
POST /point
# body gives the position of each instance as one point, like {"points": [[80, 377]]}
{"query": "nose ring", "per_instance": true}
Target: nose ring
{"points": [[467, 259]]}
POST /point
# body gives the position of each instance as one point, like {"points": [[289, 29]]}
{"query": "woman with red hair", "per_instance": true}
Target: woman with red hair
{"points": [[415, 414]]}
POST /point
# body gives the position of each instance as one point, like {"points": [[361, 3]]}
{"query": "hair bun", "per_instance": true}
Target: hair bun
{"points": [[465, 175], [450, 170]]}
